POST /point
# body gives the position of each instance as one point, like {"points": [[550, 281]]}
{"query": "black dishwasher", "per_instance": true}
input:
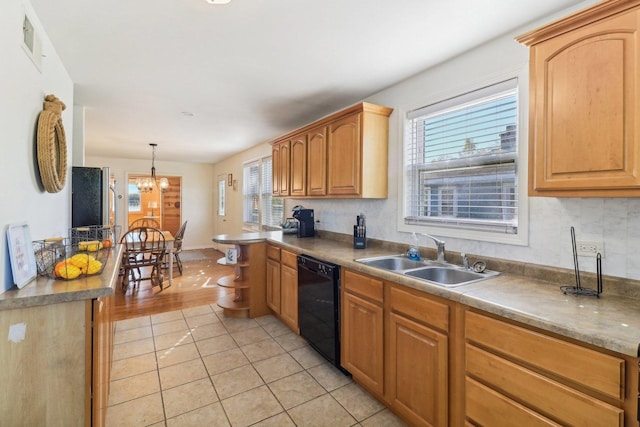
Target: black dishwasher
{"points": [[319, 306]]}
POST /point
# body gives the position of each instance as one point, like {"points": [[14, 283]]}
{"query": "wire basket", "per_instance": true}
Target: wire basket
{"points": [[107, 234], [62, 260]]}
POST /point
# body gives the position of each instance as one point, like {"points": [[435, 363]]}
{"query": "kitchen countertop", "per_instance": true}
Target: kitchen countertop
{"points": [[44, 290], [611, 321]]}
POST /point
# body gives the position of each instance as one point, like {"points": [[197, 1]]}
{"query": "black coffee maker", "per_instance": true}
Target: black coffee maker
{"points": [[305, 220]]}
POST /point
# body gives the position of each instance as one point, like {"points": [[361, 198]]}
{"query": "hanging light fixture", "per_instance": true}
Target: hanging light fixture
{"points": [[146, 185]]}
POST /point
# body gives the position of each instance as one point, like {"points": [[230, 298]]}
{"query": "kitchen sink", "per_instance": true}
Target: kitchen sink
{"points": [[439, 273], [446, 275], [394, 263]]}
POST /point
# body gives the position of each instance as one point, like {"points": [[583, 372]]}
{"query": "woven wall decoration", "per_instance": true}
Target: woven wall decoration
{"points": [[52, 145]]}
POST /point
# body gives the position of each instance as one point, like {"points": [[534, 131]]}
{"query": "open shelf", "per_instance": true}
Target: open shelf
{"points": [[231, 282], [248, 282], [233, 308]]}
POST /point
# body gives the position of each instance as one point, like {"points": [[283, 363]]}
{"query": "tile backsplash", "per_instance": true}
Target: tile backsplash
{"points": [[615, 222]]}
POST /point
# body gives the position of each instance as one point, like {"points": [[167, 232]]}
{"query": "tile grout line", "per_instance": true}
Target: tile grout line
{"points": [[250, 363]]}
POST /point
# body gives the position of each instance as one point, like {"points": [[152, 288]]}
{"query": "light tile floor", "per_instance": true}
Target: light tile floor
{"points": [[195, 367]]}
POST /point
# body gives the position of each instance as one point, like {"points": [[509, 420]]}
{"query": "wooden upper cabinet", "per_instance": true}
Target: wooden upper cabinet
{"points": [[346, 155], [284, 166], [275, 169], [317, 162], [584, 123], [299, 166]]}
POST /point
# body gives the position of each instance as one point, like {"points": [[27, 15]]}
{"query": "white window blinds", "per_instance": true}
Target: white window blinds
{"points": [[260, 208], [251, 193], [461, 161], [272, 208]]}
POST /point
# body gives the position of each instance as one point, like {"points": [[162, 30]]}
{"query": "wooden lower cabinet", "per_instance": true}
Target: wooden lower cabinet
{"points": [[362, 341], [417, 373], [289, 290], [517, 375], [56, 373], [395, 344], [418, 382], [273, 279], [435, 362], [102, 354]]}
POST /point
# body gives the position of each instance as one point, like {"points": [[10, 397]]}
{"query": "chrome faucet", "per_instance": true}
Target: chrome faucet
{"points": [[440, 245]]}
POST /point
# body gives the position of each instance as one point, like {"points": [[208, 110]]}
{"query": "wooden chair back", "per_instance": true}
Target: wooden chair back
{"points": [[144, 247], [144, 222]]}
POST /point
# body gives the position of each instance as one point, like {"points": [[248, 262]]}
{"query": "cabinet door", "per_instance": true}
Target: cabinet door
{"points": [[289, 296], [585, 109], [102, 358], [345, 156], [273, 285], [299, 166], [275, 169], [362, 341], [418, 372], [317, 162], [285, 168]]}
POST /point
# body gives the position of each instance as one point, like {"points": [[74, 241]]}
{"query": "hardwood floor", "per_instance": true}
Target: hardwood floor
{"points": [[196, 286]]}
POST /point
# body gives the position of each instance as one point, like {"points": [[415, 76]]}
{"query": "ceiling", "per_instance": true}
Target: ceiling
{"points": [[206, 81]]}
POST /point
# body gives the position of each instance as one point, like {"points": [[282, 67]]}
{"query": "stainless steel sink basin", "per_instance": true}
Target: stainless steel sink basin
{"points": [[443, 274], [446, 276], [393, 263]]}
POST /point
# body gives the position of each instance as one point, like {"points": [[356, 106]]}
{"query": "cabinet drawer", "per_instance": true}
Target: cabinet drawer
{"points": [[597, 371], [273, 252], [486, 407], [289, 259], [420, 308], [364, 286], [540, 393]]}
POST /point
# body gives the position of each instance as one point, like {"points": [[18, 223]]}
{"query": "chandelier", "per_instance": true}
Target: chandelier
{"points": [[145, 185]]}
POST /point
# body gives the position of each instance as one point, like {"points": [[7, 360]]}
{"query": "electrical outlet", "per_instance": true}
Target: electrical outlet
{"points": [[590, 249]]}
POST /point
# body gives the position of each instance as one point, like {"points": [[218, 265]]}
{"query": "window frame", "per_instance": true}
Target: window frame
{"points": [[263, 192], [521, 237]]}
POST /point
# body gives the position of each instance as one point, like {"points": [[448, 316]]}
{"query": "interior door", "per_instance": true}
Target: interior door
{"points": [[221, 212], [162, 206]]}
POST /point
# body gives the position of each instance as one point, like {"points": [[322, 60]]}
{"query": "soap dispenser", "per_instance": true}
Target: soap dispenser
{"points": [[413, 253]]}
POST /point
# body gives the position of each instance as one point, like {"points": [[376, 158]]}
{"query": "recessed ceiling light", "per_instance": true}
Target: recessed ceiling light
{"points": [[187, 114], [218, 1]]}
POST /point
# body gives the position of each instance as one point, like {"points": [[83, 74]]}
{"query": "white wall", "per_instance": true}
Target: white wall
{"points": [[198, 193], [232, 221], [23, 89], [615, 222]]}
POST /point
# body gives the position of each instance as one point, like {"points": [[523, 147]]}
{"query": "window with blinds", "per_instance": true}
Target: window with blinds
{"points": [[461, 161], [260, 208]]}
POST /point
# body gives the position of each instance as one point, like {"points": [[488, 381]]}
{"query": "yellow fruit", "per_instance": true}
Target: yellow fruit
{"points": [[94, 266], [69, 272], [81, 261], [92, 246], [61, 265]]}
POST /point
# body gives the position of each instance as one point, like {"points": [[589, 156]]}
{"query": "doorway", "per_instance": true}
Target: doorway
{"points": [[150, 202]]}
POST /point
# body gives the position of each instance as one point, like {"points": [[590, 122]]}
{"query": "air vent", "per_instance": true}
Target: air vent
{"points": [[31, 42]]}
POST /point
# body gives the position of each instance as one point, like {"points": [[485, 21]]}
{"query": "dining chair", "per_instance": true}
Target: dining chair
{"points": [[177, 245], [144, 222], [143, 247]]}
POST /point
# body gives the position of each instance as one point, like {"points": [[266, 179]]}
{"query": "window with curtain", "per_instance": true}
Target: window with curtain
{"points": [[260, 209], [461, 161]]}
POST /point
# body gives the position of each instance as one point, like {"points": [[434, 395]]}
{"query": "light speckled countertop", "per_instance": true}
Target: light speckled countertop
{"points": [[44, 291], [611, 321]]}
